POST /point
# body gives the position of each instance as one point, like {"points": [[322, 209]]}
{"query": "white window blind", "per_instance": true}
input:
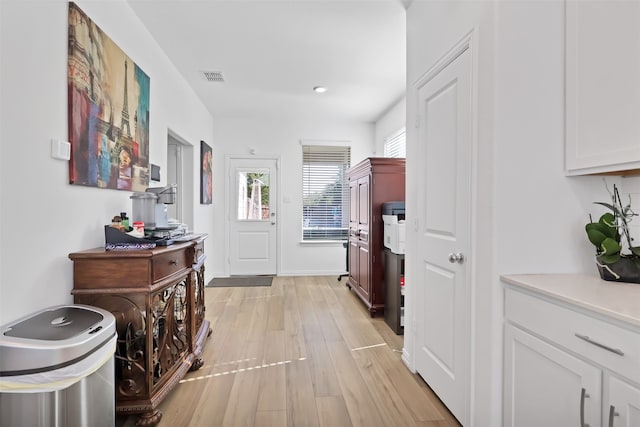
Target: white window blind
{"points": [[396, 144], [325, 203]]}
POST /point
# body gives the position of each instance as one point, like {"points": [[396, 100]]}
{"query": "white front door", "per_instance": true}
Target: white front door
{"points": [[444, 203], [252, 216]]}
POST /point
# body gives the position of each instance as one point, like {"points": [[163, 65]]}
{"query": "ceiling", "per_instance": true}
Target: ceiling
{"points": [[273, 52]]}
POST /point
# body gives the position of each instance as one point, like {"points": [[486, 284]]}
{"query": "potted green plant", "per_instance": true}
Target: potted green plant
{"points": [[616, 257]]}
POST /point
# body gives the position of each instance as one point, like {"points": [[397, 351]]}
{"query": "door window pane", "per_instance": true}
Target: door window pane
{"points": [[253, 195]]}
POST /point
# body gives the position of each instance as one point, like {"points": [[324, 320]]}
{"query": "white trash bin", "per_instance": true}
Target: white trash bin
{"points": [[57, 368]]}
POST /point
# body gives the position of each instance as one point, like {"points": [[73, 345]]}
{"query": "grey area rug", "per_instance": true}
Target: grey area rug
{"points": [[221, 282]]}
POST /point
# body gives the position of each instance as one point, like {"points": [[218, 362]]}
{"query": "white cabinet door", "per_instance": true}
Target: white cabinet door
{"points": [[545, 386], [623, 409], [602, 86]]}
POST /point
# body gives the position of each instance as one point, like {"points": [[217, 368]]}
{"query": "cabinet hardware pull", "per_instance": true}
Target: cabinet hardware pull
{"points": [[583, 396], [612, 414], [174, 262], [596, 343]]}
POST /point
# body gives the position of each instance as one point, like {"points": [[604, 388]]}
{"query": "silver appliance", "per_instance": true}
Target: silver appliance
{"points": [[150, 207], [57, 368]]}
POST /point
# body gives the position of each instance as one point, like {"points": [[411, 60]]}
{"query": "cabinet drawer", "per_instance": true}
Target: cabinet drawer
{"points": [[572, 329], [168, 264]]}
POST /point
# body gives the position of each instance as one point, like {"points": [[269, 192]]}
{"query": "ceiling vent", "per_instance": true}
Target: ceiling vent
{"points": [[213, 76]]}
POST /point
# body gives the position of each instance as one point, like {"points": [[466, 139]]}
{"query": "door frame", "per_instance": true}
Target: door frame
{"points": [[229, 186], [185, 184], [467, 42]]}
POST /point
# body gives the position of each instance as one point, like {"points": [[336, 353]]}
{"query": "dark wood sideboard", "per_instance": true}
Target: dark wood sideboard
{"points": [[157, 297]]}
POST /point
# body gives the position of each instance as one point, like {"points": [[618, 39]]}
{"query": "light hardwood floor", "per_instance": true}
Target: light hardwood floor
{"points": [[302, 352]]}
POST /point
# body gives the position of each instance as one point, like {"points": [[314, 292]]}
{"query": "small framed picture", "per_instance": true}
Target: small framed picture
{"points": [[206, 174]]}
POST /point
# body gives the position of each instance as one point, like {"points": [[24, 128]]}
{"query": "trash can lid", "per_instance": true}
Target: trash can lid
{"points": [[53, 338], [56, 324]]}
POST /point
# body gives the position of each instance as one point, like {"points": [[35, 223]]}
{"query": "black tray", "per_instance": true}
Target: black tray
{"points": [[116, 240]]}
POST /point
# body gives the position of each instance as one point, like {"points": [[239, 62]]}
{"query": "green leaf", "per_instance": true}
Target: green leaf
{"points": [[635, 250], [597, 228], [610, 247], [609, 226], [610, 259], [607, 217], [595, 234]]}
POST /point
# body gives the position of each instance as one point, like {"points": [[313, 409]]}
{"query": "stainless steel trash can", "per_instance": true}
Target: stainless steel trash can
{"points": [[57, 368]]}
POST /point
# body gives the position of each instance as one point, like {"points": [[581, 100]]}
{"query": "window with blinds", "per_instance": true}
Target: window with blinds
{"points": [[395, 145], [325, 205]]}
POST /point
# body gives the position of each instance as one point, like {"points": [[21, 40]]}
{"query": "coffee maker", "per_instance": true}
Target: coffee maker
{"points": [[150, 207]]}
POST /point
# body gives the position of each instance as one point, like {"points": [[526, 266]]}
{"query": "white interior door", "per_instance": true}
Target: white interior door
{"points": [[252, 214], [444, 217]]}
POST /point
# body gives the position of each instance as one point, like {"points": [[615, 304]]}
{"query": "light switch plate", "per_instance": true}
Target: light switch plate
{"points": [[60, 149]]}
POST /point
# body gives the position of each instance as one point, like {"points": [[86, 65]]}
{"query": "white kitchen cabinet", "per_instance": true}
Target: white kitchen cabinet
{"points": [[547, 386], [602, 87], [571, 352], [622, 409]]}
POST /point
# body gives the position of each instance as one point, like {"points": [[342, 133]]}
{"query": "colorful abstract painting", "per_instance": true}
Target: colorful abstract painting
{"points": [[108, 110], [206, 174]]}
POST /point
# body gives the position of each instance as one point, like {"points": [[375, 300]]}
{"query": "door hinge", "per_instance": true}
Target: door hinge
{"points": [[373, 259]]}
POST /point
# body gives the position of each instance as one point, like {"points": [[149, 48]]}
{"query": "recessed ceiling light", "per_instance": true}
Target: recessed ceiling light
{"points": [[320, 89]]}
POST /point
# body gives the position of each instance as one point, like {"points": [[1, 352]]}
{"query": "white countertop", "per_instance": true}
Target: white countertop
{"points": [[619, 301]]}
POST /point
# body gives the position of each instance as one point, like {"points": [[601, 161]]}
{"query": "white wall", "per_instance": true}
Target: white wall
{"points": [[281, 138], [530, 184], [393, 120], [528, 217], [43, 217], [3, 107], [631, 187]]}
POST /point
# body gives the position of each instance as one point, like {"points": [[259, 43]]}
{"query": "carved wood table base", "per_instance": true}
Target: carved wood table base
{"points": [[149, 418]]}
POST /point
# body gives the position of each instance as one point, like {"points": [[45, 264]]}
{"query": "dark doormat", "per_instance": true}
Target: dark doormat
{"points": [[221, 282]]}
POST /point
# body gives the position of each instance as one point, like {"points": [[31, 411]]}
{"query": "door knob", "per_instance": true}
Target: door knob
{"points": [[459, 258]]}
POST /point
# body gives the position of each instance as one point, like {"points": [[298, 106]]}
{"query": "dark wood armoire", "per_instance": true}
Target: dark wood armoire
{"points": [[372, 182]]}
